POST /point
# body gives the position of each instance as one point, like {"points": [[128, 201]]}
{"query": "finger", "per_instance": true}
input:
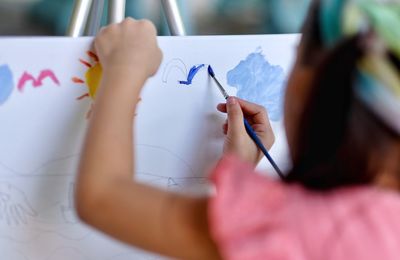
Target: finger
{"points": [[235, 117], [225, 129], [222, 107], [256, 112], [128, 20]]}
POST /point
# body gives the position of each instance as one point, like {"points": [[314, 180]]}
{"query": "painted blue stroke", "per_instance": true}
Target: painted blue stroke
{"points": [[260, 82], [193, 71], [6, 83]]}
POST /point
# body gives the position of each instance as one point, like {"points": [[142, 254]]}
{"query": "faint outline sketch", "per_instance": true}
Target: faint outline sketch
{"points": [[57, 217], [153, 149], [169, 182], [9, 253], [68, 211], [174, 65], [67, 253], [136, 255], [15, 208], [260, 82], [172, 182], [49, 168]]}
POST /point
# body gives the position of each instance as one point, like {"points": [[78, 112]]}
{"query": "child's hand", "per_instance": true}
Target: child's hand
{"points": [[130, 46], [238, 142]]}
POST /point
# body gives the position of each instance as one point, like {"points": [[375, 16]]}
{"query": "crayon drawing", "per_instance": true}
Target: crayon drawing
{"points": [[37, 82]]}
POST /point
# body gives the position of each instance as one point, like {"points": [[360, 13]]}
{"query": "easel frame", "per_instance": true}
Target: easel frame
{"points": [[87, 14]]}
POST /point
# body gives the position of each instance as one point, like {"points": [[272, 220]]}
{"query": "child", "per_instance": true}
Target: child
{"points": [[342, 117]]}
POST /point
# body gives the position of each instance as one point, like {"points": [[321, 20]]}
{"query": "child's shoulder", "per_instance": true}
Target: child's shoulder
{"points": [[254, 217]]}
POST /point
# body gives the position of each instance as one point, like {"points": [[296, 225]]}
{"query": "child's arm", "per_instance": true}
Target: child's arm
{"points": [[106, 195]]}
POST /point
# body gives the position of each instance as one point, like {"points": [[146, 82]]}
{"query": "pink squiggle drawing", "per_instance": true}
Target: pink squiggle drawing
{"points": [[37, 82]]}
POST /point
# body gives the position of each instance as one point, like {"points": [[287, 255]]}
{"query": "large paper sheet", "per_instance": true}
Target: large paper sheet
{"points": [[46, 86]]}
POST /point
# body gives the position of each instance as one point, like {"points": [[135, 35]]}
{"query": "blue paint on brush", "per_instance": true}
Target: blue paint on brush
{"points": [[211, 71], [192, 73]]}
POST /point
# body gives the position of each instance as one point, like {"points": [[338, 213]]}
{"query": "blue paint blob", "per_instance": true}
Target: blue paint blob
{"points": [[193, 71], [211, 71], [260, 82], [6, 83]]}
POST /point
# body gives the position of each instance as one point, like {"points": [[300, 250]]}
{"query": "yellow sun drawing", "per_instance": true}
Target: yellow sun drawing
{"points": [[92, 78], [92, 75]]}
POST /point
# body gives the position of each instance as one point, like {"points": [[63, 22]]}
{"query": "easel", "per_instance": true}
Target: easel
{"points": [[87, 14]]}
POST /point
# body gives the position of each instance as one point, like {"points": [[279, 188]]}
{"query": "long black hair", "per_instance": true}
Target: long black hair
{"points": [[338, 134]]}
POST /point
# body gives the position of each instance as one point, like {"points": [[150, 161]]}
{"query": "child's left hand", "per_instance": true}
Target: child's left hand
{"points": [[129, 47]]}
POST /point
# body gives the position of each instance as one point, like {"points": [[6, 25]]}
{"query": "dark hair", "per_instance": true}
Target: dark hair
{"points": [[338, 134]]}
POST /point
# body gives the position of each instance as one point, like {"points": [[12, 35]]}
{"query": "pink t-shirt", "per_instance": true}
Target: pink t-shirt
{"points": [[254, 217]]}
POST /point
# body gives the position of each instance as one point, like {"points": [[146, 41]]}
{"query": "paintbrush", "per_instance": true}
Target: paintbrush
{"points": [[248, 127]]}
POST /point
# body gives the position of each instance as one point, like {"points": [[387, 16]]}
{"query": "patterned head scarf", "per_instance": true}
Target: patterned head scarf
{"points": [[378, 83]]}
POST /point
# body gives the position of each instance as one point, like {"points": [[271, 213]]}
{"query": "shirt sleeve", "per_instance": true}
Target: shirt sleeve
{"points": [[248, 214]]}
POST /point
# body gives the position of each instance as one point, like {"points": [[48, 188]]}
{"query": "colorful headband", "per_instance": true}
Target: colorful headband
{"points": [[378, 85]]}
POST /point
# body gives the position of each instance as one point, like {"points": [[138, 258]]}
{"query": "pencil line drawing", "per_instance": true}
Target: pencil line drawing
{"points": [[68, 211], [137, 255], [65, 223], [29, 234], [15, 208], [41, 168], [51, 167], [174, 65], [188, 167], [8, 253], [67, 253], [170, 182]]}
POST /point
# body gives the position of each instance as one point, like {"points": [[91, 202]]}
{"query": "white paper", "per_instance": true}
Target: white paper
{"points": [[178, 132]]}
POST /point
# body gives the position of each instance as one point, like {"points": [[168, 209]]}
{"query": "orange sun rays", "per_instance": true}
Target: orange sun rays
{"points": [[88, 64], [91, 79]]}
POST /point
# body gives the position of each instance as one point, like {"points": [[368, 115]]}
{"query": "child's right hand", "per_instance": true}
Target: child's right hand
{"points": [[129, 47], [237, 141]]}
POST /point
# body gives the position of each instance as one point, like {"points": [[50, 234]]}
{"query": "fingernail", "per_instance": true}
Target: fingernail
{"points": [[232, 101]]}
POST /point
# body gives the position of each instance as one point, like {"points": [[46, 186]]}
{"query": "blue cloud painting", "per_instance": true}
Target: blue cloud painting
{"points": [[6, 83], [260, 82]]}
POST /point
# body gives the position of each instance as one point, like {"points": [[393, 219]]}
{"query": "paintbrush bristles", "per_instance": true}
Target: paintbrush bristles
{"points": [[211, 71]]}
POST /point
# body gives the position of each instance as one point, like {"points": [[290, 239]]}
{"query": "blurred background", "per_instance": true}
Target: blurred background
{"points": [[201, 17]]}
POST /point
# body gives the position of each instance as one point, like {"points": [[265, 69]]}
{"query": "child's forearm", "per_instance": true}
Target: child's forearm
{"points": [[110, 200], [108, 149], [106, 195], [107, 156]]}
